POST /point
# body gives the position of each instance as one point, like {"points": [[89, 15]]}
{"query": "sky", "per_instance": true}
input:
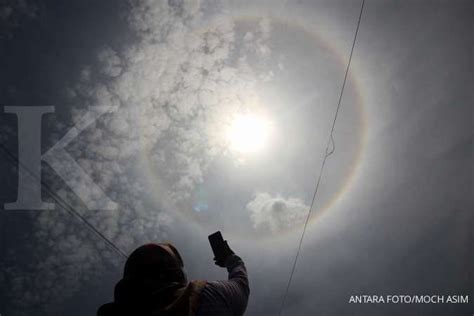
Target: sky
{"points": [[197, 116]]}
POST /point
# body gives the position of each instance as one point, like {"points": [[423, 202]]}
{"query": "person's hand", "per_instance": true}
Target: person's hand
{"points": [[221, 262]]}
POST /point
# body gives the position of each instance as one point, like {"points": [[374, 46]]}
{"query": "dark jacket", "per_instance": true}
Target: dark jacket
{"points": [[226, 298], [198, 298]]}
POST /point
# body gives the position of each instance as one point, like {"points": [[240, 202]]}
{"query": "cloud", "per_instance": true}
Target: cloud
{"points": [[13, 13], [176, 90], [111, 63], [274, 213]]}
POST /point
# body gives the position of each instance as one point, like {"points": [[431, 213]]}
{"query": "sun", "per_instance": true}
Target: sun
{"points": [[248, 133]]}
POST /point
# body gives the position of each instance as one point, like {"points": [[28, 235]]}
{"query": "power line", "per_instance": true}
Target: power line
{"points": [[66, 206], [326, 155]]}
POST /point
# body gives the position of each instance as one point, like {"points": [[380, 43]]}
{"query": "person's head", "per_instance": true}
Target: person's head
{"points": [[156, 262]]}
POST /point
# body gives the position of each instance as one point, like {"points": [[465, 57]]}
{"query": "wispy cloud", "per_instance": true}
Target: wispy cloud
{"points": [[13, 13]]}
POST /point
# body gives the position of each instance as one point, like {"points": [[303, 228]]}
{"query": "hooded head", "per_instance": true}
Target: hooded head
{"points": [[152, 278], [160, 263]]}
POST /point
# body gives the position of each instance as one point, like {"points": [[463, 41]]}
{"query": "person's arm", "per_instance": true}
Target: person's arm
{"points": [[238, 274], [228, 297]]}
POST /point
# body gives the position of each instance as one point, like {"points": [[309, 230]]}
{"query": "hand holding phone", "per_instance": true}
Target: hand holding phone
{"points": [[220, 248]]}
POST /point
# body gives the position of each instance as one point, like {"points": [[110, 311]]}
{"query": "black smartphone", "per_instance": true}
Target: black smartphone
{"points": [[217, 245]]}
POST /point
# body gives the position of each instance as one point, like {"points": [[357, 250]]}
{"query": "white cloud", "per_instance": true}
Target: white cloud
{"points": [[111, 63], [274, 213]]}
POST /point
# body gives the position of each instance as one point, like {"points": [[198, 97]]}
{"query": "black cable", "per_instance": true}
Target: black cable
{"points": [[327, 154], [66, 206]]}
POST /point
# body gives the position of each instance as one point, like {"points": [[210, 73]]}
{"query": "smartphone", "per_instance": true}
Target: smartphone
{"points": [[217, 245]]}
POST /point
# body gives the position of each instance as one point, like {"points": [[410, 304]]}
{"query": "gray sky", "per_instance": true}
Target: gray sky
{"points": [[393, 214]]}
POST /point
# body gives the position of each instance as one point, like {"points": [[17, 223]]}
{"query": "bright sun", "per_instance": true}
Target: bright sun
{"points": [[248, 133]]}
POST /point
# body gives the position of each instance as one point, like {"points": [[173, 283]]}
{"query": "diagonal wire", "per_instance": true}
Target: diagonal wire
{"points": [[327, 154], [66, 206]]}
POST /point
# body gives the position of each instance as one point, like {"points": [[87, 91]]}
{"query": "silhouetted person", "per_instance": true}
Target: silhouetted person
{"points": [[154, 283]]}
